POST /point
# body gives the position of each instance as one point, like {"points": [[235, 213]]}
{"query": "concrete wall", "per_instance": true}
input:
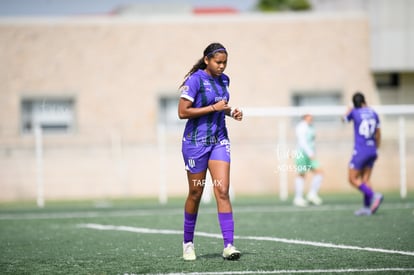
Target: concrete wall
{"points": [[116, 69]]}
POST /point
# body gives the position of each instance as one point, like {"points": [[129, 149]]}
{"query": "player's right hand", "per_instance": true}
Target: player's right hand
{"points": [[221, 106]]}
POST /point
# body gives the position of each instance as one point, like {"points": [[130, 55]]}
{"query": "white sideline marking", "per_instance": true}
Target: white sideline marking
{"points": [[289, 271], [179, 211], [218, 236]]}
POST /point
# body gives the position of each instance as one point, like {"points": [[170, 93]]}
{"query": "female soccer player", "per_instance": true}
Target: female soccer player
{"points": [[305, 162], [205, 144], [367, 138]]}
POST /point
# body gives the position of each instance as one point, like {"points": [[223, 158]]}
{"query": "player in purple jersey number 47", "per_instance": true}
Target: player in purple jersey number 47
{"points": [[367, 138]]}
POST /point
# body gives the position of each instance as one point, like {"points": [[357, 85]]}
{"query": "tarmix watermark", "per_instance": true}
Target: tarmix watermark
{"points": [[283, 168], [284, 155], [205, 182]]}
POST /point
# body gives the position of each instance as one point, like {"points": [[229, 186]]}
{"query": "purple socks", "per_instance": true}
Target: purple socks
{"points": [[368, 194], [227, 227], [189, 226]]}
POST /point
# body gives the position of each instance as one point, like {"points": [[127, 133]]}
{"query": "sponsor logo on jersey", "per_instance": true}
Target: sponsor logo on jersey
{"points": [[220, 98]]}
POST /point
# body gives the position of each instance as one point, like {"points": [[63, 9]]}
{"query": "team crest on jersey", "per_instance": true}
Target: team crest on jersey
{"points": [[191, 163]]}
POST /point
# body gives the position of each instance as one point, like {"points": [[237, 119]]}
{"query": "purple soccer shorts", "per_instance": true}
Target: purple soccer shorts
{"points": [[361, 160], [196, 156]]}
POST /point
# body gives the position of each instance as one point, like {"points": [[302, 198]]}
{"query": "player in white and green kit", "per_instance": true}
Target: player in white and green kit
{"points": [[305, 162]]}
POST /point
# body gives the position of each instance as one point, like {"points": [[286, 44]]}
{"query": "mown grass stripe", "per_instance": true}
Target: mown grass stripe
{"points": [[179, 211], [348, 270]]}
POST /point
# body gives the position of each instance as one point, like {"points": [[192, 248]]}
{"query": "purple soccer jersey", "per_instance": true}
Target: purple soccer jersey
{"points": [[366, 123], [204, 90]]}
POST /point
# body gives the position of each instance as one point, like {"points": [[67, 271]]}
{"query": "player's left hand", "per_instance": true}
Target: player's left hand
{"points": [[237, 114]]}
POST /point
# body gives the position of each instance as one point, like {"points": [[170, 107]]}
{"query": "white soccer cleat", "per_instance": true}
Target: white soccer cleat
{"points": [[376, 202], [314, 199], [364, 211], [231, 253], [189, 252], [300, 202]]}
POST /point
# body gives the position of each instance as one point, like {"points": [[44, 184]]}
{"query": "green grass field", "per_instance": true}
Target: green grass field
{"points": [[142, 237]]}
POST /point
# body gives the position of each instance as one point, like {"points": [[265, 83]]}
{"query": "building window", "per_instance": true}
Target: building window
{"points": [[387, 80], [168, 112], [53, 115], [309, 99]]}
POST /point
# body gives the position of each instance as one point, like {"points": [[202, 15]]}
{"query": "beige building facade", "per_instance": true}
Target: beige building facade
{"points": [[104, 92]]}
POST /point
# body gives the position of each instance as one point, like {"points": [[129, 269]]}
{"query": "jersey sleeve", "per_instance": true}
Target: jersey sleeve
{"points": [[190, 88], [348, 117]]}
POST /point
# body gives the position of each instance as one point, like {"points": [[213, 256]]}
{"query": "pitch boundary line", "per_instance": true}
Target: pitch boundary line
{"points": [[178, 211], [256, 238]]}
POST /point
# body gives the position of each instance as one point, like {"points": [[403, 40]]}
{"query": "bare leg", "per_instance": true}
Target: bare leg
{"points": [[354, 177], [195, 191], [220, 174], [366, 175]]}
